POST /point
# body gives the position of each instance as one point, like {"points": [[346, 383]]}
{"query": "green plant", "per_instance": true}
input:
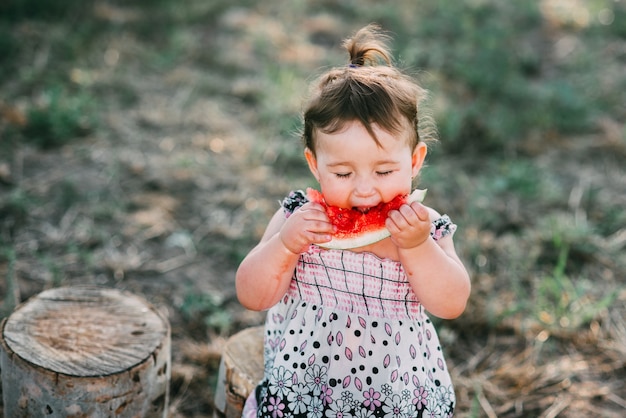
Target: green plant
{"points": [[502, 186], [9, 48], [11, 298], [59, 117], [475, 410], [66, 195], [561, 302], [208, 309], [15, 10], [492, 69], [56, 274], [14, 210]]}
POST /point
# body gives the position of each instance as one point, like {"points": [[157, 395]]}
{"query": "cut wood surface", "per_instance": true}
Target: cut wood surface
{"points": [[241, 370], [85, 351]]}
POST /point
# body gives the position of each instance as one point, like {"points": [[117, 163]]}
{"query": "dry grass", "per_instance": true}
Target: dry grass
{"points": [[178, 181]]}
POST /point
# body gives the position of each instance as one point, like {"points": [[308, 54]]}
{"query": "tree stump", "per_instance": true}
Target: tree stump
{"points": [[85, 352], [241, 370]]}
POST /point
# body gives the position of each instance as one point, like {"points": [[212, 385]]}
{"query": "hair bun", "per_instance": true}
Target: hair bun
{"points": [[368, 46]]}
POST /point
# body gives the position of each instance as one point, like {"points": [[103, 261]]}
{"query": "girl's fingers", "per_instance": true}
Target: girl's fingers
{"points": [[391, 226], [319, 238], [421, 211], [314, 207], [402, 217], [409, 214], [320, 227]]}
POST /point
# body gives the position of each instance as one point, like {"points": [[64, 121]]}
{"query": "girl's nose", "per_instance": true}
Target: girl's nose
{"points": [[363, 187]]}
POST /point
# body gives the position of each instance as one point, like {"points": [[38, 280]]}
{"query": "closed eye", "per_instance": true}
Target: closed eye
{"points": [[384, 173], [343, 175]]}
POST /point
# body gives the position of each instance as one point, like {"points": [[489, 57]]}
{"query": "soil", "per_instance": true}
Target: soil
{"points": [[174, 188]]}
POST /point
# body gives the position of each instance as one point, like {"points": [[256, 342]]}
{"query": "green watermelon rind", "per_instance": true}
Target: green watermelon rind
{"points": [[370, 237]]}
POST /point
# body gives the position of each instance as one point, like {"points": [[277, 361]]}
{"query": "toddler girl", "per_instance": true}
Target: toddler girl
{"points": [[347, 333]]}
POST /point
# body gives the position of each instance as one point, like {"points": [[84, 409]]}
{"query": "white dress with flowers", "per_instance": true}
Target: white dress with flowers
{"points": [[350, 339]]}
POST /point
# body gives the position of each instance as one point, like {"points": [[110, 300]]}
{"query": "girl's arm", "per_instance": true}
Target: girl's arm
{"points": [[433, 268], [264, 275]]}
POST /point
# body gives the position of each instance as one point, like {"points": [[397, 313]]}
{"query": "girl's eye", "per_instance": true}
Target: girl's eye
{"points": [[384, 173], [342, 175]]}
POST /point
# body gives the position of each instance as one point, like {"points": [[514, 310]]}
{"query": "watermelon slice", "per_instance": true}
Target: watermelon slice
{"points": [[357, 229]]}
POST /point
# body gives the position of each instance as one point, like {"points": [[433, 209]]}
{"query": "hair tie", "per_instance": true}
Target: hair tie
{"points": [[352, 65]]}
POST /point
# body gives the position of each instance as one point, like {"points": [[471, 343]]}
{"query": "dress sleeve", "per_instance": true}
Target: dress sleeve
{"points": [[441, 227], [293, 201]]}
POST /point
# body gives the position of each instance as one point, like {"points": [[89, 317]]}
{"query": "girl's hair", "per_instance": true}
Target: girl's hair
{"points": [[369, 90]]}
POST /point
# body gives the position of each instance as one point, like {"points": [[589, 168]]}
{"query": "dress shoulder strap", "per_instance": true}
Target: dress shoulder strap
{"points": [[294, 200], [441, 227]]}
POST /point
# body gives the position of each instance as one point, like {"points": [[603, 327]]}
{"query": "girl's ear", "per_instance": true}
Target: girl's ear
{"points": [[418, 157], [312, 162]]}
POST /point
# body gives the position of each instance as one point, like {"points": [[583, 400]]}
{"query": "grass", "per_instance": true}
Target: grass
{"points": [[58, 116], [529, 105], [563, 304], [498, 76], [11, 297], [209, 310]]}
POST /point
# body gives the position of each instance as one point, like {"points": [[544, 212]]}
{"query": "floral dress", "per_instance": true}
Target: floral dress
{"points": [[350, 339]]}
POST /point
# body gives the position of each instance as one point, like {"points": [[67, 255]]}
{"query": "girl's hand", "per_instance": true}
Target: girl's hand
{"points": [[307, 225], [409, 226]]}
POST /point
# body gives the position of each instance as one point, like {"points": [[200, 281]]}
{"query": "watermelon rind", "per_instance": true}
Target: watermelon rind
{"points": [[369, 237]]}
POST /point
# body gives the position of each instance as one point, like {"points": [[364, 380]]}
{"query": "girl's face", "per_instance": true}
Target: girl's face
{"points": [[354, 172]]}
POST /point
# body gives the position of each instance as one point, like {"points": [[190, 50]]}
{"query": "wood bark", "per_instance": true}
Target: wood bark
{"points": [[85, 352], [241, 370]]}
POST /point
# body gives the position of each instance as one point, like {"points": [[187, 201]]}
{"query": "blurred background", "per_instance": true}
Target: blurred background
{"points": [[145, 144]]}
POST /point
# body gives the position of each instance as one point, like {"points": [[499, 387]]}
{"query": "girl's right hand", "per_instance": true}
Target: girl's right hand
{"points": [[305, 226]]}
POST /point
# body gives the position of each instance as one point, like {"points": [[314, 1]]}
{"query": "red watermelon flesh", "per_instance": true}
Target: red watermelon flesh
{"points": [[357, 229]]}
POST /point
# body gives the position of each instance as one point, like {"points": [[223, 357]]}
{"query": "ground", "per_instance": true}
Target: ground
{"points": [[175, 185]]}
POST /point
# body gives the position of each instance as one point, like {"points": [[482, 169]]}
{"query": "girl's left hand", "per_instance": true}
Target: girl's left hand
{"points": [[409, 226]]}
